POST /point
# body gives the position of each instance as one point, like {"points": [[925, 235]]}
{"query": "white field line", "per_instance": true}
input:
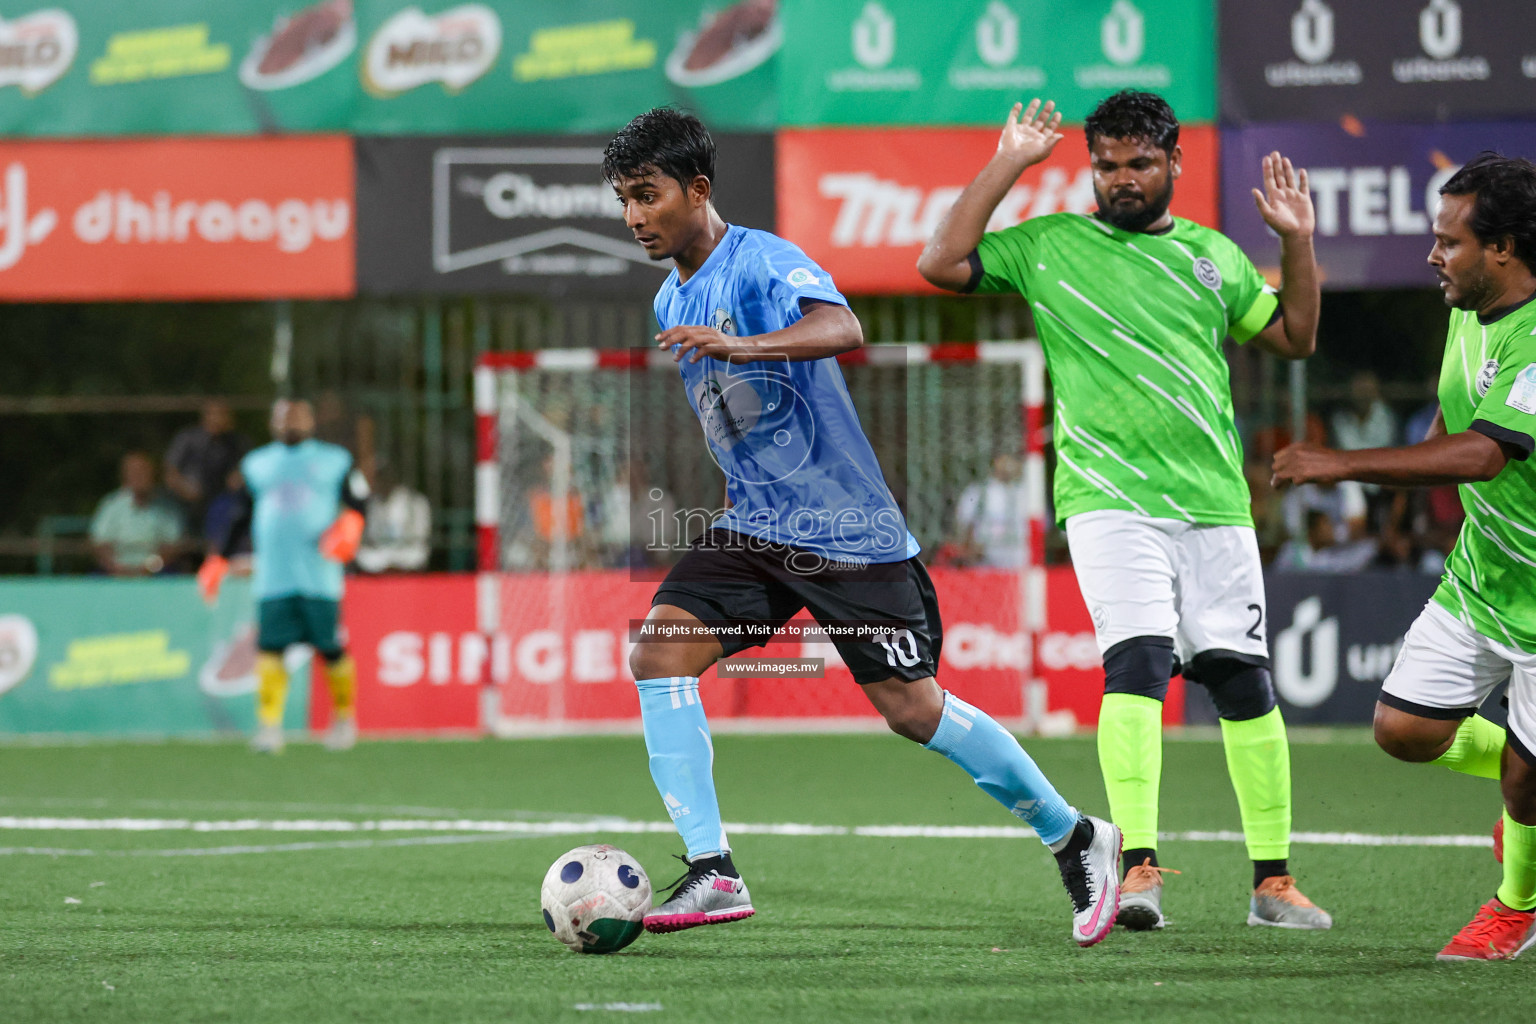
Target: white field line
{"points": [[509, 829], [224, 851]]}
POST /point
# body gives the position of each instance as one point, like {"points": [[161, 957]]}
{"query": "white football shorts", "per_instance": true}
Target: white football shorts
{"points": [[1446, 669], [1200, 585]]}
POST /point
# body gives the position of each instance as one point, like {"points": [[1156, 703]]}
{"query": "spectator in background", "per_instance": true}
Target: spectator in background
{"points": [[1417, 427], [544, 527], [991, 517], [1327, 527], [223, 511], [1267, 509], [398, 535], [201, 456], [335, 424], [136, 529], [637, 522], [1318, 548], [1366, 422]]}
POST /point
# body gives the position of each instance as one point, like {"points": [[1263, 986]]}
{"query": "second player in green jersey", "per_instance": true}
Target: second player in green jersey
{"points": [[1132, 305], [1479, 630]]}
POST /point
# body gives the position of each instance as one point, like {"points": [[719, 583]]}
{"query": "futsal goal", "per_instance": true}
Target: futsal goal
{"points": [[593, 475]]}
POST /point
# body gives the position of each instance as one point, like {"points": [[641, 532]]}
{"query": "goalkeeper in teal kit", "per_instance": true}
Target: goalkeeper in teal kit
{"points": [[304, 512]]}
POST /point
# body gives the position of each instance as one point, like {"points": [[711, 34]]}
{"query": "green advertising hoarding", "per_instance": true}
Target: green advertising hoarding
{"points": [[176, 67], [132, 657], [913, 62]]}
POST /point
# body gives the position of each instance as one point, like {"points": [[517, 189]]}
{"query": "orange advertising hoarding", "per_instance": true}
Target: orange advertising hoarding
{"points": [[177, 219], [863, 201]]}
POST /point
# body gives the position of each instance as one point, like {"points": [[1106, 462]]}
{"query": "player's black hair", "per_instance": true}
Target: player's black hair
{"points": [[1129, 114], [1505, 201], [674, 143]]}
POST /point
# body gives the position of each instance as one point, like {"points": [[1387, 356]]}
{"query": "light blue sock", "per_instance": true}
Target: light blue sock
{"points": [[973, 740], [682, 757]]}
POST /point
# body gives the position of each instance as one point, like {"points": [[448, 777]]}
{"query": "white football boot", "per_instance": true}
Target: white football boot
{"points": [[268, 739], [710, 893], [342, 735], [1092, 877]]}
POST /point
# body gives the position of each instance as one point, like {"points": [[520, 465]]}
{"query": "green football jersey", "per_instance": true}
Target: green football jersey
{"points": [[1132, 325], [1488, 384]]}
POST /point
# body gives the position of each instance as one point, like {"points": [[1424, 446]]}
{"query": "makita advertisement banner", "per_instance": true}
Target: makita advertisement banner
{"points": [[176, 219], [1375, 187], [862, 202], [910, 62], [530, 214], [1436, 60], [162, 67]]}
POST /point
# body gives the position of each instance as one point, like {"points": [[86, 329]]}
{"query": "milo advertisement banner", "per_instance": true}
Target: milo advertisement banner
{"points": [[913, 62], [103, 67], [131, 657]]}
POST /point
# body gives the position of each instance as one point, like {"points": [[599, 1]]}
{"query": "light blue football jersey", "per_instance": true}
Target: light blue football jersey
{"points": [[798, 468], [296, 495]]}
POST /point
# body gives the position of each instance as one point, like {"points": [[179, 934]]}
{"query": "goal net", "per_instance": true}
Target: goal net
{"points": [[593, 476]]}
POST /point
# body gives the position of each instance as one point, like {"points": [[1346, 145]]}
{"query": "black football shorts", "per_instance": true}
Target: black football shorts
{"points": [[883, 616]]}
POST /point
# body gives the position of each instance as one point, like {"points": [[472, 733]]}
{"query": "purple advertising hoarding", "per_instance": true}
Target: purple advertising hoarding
{"points": [[1374, 186]]}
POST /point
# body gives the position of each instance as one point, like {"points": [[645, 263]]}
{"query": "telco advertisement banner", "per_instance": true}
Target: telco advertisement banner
{"points": [[1375, 187], [1391, 59], [106, 67], [910, 62], [527, 214], [126, 657], [862, 202], [176, 219]]}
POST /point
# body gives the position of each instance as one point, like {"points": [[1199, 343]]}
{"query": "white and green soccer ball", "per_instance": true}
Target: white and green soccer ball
{"points": [[595, 898]]}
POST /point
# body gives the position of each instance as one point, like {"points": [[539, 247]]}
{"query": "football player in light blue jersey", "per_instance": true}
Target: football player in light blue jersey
{"points": [[304, 512], [755, 327]]}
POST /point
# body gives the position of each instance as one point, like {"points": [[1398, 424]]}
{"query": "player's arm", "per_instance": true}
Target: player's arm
{"points": [[1463, 458], [1286, 206], [210, 576], [824, 329], [949, 259]]}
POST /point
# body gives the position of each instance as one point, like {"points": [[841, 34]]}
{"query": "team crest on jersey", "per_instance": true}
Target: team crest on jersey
{"points": [[722, 321], [800, 277], [1207, 273], [1485, 376], [1522, 394]]}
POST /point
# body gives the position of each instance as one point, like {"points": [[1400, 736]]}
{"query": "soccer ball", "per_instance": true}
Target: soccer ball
{"points": [[594, 898]]}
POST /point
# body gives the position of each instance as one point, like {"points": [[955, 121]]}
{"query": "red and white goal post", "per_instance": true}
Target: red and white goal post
{"points": [[580, 451]]}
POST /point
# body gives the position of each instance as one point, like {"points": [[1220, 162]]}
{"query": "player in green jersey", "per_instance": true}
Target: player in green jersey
{"points": [[1131, 306], [1479, 629]]}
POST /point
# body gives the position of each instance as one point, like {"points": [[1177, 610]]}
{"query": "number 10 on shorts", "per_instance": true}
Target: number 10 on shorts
{"points": [[900, 647]]}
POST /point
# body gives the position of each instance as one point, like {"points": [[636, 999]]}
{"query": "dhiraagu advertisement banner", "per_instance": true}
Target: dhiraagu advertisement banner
{"points": [[132, 657], [174, 67], [914, 62]]}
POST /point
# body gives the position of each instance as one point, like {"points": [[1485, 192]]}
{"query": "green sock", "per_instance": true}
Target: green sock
{"points": [[1131, 758], [1519, 888], [1476, 749], [1259, 761]]}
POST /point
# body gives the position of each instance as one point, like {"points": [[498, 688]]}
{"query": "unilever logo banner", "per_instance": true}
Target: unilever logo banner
{"points": [[908, 62], [1407, 59]]}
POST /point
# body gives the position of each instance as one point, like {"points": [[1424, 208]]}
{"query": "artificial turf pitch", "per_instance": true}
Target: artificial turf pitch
{"points": [[848, 927]]}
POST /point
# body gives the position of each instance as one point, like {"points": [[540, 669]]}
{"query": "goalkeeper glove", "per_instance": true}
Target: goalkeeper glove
{"points": [[340, 541], [211, 576]]}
